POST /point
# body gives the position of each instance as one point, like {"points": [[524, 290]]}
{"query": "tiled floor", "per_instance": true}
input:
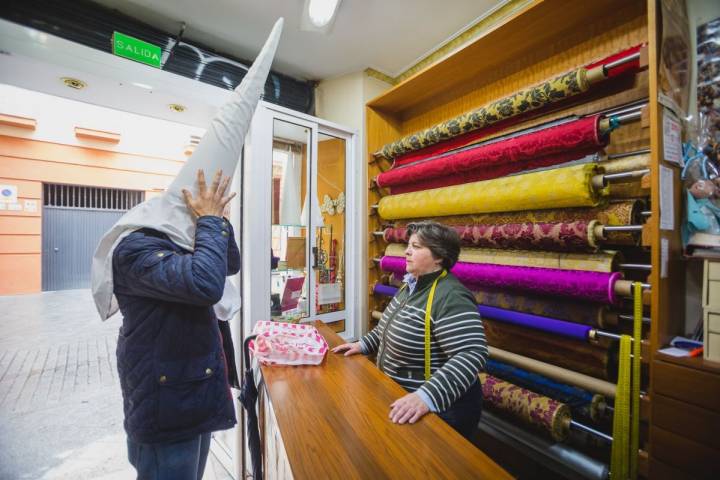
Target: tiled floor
{"points": [[60, 404]]}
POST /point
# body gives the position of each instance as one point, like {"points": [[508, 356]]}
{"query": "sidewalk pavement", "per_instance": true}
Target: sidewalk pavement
{"points": [[60, 402]]}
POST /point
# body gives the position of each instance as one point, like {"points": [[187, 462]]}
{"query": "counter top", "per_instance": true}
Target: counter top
{"points": [[333, 419]]}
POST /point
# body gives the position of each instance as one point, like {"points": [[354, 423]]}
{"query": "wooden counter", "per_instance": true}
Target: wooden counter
{"points": [[331, 421]]}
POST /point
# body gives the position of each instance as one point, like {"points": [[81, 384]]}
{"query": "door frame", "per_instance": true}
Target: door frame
{"points": [[257, 220]]}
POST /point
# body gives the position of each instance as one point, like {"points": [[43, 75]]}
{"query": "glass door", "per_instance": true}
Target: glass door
{"points": [[298, 199]]}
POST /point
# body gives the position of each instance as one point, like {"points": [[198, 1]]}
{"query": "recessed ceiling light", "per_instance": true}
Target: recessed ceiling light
{"points": [[318, 15], [75, 83], [176, 107], [321, 11]]}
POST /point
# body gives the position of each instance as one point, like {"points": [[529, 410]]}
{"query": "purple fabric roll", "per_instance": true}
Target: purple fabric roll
{"points": [[387, 290], [546, 324], [591, 286]]}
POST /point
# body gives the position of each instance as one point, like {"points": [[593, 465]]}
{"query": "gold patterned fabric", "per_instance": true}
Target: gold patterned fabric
{"points": [[527, 406], [594, 262], [613, 214], [623, 190], [632, 188], [626, 164], [556, 188], [554, 90]]}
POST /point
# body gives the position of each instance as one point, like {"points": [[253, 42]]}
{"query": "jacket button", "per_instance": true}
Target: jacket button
{"points": [[224, 233], [224, 224], [161, 254], [163, 379], [208, 371]]}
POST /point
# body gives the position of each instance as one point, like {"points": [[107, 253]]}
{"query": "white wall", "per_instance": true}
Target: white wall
{"points": [[342, 100]]}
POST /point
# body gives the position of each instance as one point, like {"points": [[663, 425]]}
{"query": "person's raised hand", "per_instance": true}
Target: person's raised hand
{"points": [[209, 201], [348, 348]]}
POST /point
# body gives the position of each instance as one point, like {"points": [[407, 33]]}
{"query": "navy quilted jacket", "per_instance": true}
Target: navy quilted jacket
{"points": [[170, 359]]}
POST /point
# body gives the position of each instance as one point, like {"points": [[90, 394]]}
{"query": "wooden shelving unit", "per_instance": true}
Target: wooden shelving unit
{"points": [[542, 40]]}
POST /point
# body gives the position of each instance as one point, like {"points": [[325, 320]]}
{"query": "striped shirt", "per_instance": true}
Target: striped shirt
{"points": [[458, 350]]}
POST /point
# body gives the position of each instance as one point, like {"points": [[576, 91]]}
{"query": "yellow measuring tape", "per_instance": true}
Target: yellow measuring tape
{"points": [[635, 415], [619, 451], [626, 435], [428, 311]]}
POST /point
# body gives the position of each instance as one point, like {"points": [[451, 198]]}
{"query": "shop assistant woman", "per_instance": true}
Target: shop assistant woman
{"points": [[446, 381]]}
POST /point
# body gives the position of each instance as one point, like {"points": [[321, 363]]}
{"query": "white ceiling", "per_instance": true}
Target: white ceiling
{"points": [[387, 35]]}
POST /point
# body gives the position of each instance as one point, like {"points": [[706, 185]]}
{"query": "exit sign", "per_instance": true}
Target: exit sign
{"points": [[134, 49]]}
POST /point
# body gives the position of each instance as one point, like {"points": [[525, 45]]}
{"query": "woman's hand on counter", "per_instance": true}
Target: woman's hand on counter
{"points": [[408, 409], [348, 348]]}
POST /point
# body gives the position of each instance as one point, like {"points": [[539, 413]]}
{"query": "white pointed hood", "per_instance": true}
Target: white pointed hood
{"points": [[220, 148]]}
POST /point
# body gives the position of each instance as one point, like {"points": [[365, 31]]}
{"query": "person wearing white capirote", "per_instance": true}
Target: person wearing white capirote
{"points": [[164, 265]]}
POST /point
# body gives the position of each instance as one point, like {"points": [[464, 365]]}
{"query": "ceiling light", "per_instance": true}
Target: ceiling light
{"points": [[319, 15], [142, 85], [322, 11], [75, 83]]}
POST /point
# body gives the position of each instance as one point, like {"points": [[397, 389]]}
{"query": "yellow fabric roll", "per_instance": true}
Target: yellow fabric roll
{"points": [[556, 188], [627, 164], [595, 262]]}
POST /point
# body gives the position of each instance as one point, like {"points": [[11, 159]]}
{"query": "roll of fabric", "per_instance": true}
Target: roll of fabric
{"points": [[554, 145], [563, 309], [564, 375], [576, 331], [386, 290], [630, 189], [590, 286], [640, 161], [595, 262], [464, 139], [625, 190], [612, 214], [543, 412], [580, 401], [572, 330], [557, 188], [596, 361], [494, 171], [552, 236], [551, 91]]}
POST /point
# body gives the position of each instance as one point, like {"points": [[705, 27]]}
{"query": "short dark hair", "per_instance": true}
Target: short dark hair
{"points": [[443, 241]]}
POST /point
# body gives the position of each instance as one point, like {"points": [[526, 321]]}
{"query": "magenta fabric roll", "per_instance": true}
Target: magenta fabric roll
{"points": [[591, 286]]}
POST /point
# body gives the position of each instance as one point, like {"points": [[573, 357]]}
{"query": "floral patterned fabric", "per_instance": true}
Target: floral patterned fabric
{"points": [[559, 88], [612, 214], [594, 262], [541, 148], [473, 136], [557, 188], [590, 286], [529, 407], [576, 236]]}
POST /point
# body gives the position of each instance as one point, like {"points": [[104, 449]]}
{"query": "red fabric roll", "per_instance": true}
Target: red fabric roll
{"points": [[625, 67], [489, 173], [543, 148], [476, 135]]}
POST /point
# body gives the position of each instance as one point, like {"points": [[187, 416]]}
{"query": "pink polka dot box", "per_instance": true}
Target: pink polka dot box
{"points": [[280, 343]]}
